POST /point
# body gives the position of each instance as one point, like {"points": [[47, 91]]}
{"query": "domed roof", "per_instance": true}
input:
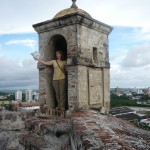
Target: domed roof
{"points": [[73, 9]]}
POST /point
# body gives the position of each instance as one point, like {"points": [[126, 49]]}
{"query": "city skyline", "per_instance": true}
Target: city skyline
{"points": [[129, 46]]}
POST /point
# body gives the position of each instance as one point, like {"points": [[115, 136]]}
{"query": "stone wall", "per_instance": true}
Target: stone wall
{"points": [[12, 124], [92, 42], [73, 87], [83, 130]]}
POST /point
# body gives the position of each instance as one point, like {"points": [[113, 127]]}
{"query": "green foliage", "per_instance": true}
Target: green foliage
{"points": [[123, 102], [118, 101], [145, 97], [3, 93], [122, 97], [8, 106], [11, 97]]}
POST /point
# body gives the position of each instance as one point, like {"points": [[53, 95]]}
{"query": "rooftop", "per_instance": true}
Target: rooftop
{"points": [[120, 110], [129, 116]]}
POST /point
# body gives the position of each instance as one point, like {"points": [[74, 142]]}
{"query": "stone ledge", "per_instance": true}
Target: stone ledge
{"points": [[71, 20], [88, 130], [48, 126]]}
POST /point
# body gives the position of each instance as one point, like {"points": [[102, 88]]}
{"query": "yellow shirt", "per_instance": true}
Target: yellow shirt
{"points": [[58, 73]]}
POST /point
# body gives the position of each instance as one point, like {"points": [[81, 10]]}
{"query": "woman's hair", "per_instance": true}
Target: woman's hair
{"points": [[61, 53]]}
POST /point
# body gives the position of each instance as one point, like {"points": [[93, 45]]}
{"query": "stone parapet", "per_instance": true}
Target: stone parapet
{"points": [[84, 130], [70, 20]]}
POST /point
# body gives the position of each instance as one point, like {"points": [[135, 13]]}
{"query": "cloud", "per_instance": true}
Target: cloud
{"points": [[137, 56], [27, 43], [131, 68], [128, 53], [15, 76], [141, 34], [129, 77], [26, 13]]}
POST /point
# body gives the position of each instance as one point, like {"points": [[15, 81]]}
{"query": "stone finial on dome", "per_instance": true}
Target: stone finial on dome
{"points": [[72, 10], [74, 4]]}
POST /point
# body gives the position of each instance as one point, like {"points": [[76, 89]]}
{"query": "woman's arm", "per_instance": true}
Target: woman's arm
{"points": [[43, 62]]}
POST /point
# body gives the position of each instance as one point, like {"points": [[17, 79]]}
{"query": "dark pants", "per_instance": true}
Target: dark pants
{"points": [[60, 90]]}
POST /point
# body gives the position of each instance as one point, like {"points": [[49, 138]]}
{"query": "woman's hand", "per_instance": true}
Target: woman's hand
{"points": [[36, 58], [43, 62]]}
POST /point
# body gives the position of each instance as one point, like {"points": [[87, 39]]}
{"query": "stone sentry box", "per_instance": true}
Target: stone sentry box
{"points": [[84, 41]]}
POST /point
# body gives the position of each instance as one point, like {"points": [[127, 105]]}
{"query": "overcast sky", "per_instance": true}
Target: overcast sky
{"points": [[129, 42]]}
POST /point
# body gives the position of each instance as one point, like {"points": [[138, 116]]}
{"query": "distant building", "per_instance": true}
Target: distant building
{"points": [[29, 95], [29, 106], [128, 93], [18, 95], [140, 91], [148, 91], [3, 97], [135, 90], [130, 117], [35, 96], [121, 111], [25, 106], [125, 113], [117, 90]]}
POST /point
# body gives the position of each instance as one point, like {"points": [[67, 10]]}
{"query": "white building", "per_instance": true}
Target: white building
{"points": [[18, 95], [148, 91], [117, 90], [139, 91], [35, 96], [134, 90], [29, 95], [145, 122]]}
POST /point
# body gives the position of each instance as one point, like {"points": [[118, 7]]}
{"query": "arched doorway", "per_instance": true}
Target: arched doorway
{"points": [[57, 42], [60, 44]]}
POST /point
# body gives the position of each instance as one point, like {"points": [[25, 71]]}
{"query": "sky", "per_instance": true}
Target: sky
{"points": [[129, 42]]}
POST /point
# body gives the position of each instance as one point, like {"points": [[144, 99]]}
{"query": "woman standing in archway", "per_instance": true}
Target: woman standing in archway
{"points": [[59, 78]]}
